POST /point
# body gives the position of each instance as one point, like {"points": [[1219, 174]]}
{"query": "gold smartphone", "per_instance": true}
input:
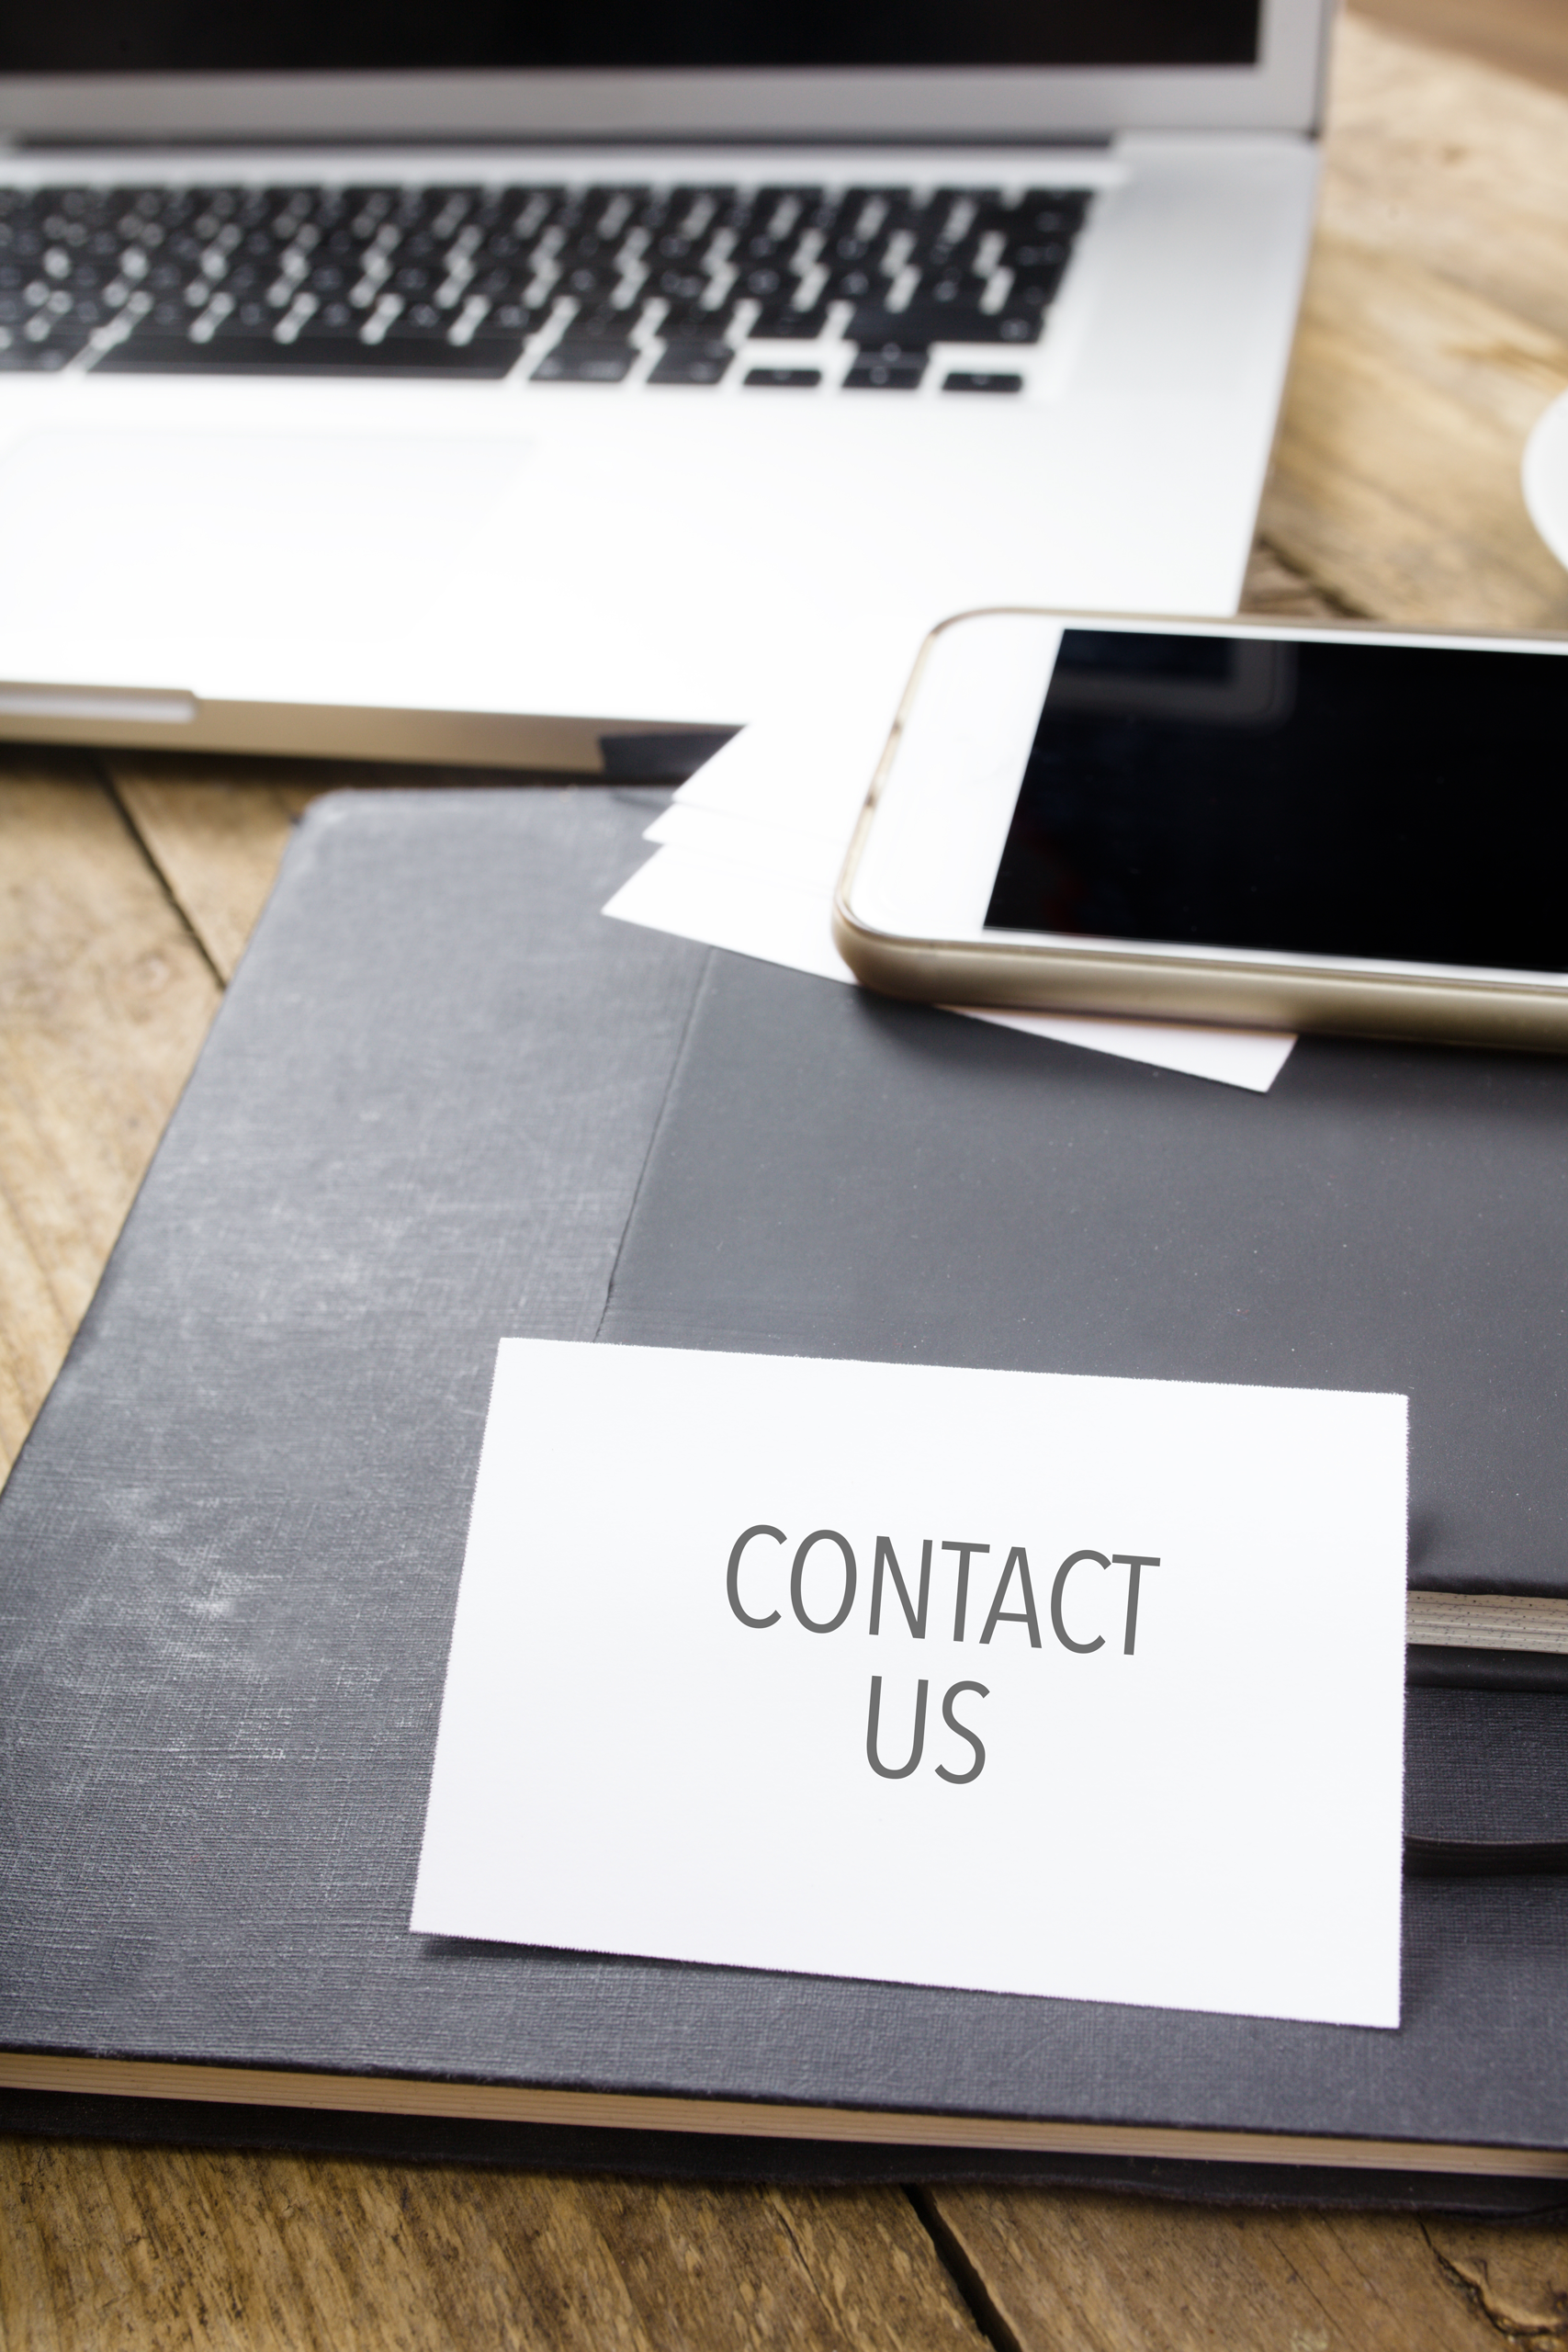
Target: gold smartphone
{"points": [[1231, 821]]}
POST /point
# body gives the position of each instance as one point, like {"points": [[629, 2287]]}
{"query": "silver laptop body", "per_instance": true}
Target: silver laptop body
{"points": [[506, 415]]}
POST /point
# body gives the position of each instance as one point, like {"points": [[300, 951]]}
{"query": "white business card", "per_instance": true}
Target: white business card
{"points": [[1015, 1681]]}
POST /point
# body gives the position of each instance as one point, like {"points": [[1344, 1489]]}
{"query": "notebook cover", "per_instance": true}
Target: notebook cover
{"points": [[446, 1101]]}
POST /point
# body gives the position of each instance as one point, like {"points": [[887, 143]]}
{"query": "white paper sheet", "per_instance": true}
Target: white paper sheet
{"points": [[806, 765], [1154, 1754], [760, 830], [736, 902]]}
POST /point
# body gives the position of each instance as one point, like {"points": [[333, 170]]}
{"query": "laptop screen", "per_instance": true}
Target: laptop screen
{"points": [[161, 36]]}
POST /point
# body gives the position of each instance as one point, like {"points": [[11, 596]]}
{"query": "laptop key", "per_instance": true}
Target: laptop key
{"points": [[696, 321], [854, 282], [902, 374], [602, 323], [584, 363], [920, 325], [973, 380], [692, 363], [784, 379], [1032, 291], [783, 322], [1053, 210], [324, 355], [589, 281]]}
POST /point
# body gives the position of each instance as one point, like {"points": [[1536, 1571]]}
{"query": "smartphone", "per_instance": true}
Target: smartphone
{"points": [[1238, 822]]}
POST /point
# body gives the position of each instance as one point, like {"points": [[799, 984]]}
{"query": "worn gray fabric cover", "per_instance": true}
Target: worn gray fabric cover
{"points": [[446, 1101], [867, 1179]]}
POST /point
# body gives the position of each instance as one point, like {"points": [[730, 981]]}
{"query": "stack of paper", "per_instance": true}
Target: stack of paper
{"points": [[751, 846]]}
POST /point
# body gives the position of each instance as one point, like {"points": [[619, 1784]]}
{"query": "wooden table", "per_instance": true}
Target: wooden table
{"points": [[1434, 331]]}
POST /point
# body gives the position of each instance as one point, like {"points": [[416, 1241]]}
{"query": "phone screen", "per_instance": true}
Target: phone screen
{"points": [[1401, 803]]}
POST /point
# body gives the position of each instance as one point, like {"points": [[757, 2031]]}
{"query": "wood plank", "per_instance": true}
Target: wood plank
{"points": [[1277, 590], [1518, 2277], [104, 2247], [216, 839], [1433, 333], [1526, 37], [1073, 2272], [105, 1000], [1396, 478], [1452, 165], [217, 826]]}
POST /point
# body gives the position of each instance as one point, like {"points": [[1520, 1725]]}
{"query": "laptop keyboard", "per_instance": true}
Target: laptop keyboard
{"points": [[774, 289]]}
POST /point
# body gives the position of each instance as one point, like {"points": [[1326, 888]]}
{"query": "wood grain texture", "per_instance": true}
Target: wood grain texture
{"points": [[102, 2248], [1518, 2277], [1276, 590], [1080, 2273], [216, 826], [1434, 332], [216, 840], [1450, 164], [1526, 37], [103, 1002], [1395, 488]]}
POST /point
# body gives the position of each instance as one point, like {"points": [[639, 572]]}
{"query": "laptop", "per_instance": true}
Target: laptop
{"points": [[557, 386]]}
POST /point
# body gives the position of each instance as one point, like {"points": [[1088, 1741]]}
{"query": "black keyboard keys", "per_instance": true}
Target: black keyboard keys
{"points": [[923, 324], [575, 284], [785, 323], [970, 379], [898, 372], [585, 363], [692, 363]]}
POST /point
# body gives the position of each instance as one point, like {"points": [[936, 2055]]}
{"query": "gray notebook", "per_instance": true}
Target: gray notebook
{"points": [[446, 1101]]}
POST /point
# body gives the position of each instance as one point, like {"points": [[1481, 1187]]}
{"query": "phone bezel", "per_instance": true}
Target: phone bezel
{"points": [[959, 962]]}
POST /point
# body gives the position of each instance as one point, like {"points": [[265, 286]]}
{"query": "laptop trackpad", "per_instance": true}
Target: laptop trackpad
{"points": [[276, 536]]}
